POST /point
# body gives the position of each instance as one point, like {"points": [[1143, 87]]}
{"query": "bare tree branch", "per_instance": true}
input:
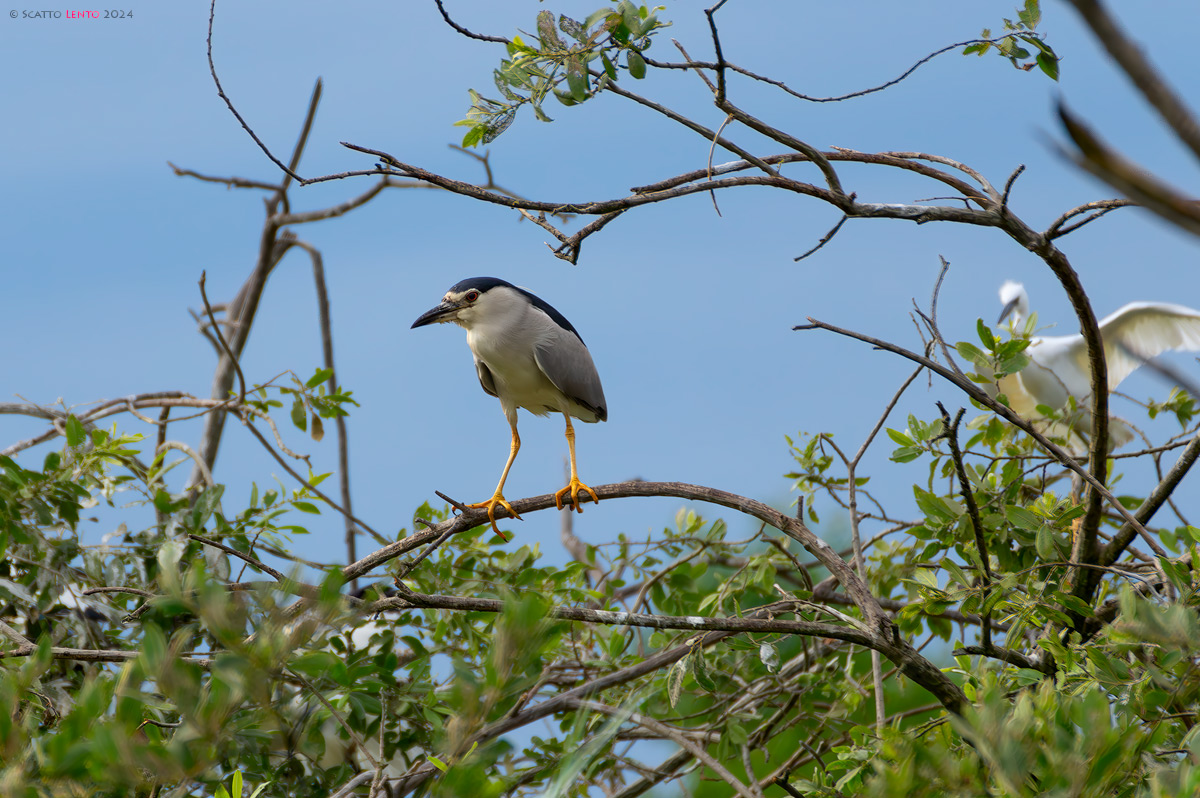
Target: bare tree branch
{"points": [[343, 441], [699, 65], [1139, 185], [212, 70], [1170, 106]]}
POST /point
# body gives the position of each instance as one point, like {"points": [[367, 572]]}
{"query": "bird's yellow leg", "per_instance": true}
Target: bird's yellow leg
{"points": [[574, 486], [498, 496]]}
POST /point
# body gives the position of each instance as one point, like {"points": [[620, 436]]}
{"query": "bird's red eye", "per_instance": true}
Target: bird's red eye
{"points": [[472, 296]]}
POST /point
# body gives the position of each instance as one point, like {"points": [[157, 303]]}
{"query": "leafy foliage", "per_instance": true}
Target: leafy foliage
{"points": [[607, 41], [1010, 44]]}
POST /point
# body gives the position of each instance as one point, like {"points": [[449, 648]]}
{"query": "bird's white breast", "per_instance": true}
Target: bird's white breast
{"points": [[519, 380]]}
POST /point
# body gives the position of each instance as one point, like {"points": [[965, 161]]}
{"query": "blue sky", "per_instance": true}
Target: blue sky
{"points": [[688, 314]]}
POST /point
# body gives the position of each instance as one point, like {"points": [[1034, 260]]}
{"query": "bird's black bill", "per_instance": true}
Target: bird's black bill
{"points": [[442, 312], [1009, 308]]}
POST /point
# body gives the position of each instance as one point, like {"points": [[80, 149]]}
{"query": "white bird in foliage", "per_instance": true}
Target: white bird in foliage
{"points": [[1059, 364]]}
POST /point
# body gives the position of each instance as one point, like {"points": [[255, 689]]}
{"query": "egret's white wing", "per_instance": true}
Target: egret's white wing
{"points": [[1142, 330]]}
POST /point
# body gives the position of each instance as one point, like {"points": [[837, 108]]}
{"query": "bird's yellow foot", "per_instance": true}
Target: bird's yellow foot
{"points": [[490, 504], [574, 486]]}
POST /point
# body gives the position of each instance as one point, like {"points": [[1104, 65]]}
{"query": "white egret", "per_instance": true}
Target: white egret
{"points": [[1059, 364]]}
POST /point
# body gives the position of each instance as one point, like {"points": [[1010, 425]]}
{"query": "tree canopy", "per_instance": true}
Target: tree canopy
{"points": [[1025, 626]]}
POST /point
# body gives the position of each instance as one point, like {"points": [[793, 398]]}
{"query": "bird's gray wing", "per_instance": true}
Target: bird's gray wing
{"points": [[564, 359], [486, 380]]}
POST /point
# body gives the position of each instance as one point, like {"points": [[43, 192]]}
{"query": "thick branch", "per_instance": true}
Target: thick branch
{"points": [[877, 627], [1133, 61], [1127, 177], [1161, 493]]}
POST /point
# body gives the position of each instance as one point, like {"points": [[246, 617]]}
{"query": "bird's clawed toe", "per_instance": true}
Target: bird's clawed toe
{"points": [[490, 506], [574, 487]]}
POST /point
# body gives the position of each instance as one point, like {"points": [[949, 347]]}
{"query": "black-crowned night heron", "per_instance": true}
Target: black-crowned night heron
{"points": [[526, 355]]}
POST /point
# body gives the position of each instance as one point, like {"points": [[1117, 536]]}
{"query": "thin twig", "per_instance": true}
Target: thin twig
{"points": [[1096, 210], [179, 446], [216, 328], [316, 491], [468, 33], [1009, 184], [358, 741], [343, 442], [950, 433], [824, 239], [240, 555], [212, 70], [232, 182], [699, 65], [672, 734]]}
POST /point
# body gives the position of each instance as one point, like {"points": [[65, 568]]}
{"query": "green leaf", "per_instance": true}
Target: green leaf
{"points": [[315, 663], [637, 65], [1076, 605], [1049, 65], [629, 14], [957, 573], [969, 351], [205, 505], [306, 507], [675, 680], [318, 377], [75, 432], [993, 598], [572, 28], [700, 671], [927, 577], [577, 78], [769, 656], [1031, 15], [1044, 544], [934, 507], [299, 415], [169, 554], [474, 136], [609, 68], [985, 335], [547, 33], [1022, 518]]}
